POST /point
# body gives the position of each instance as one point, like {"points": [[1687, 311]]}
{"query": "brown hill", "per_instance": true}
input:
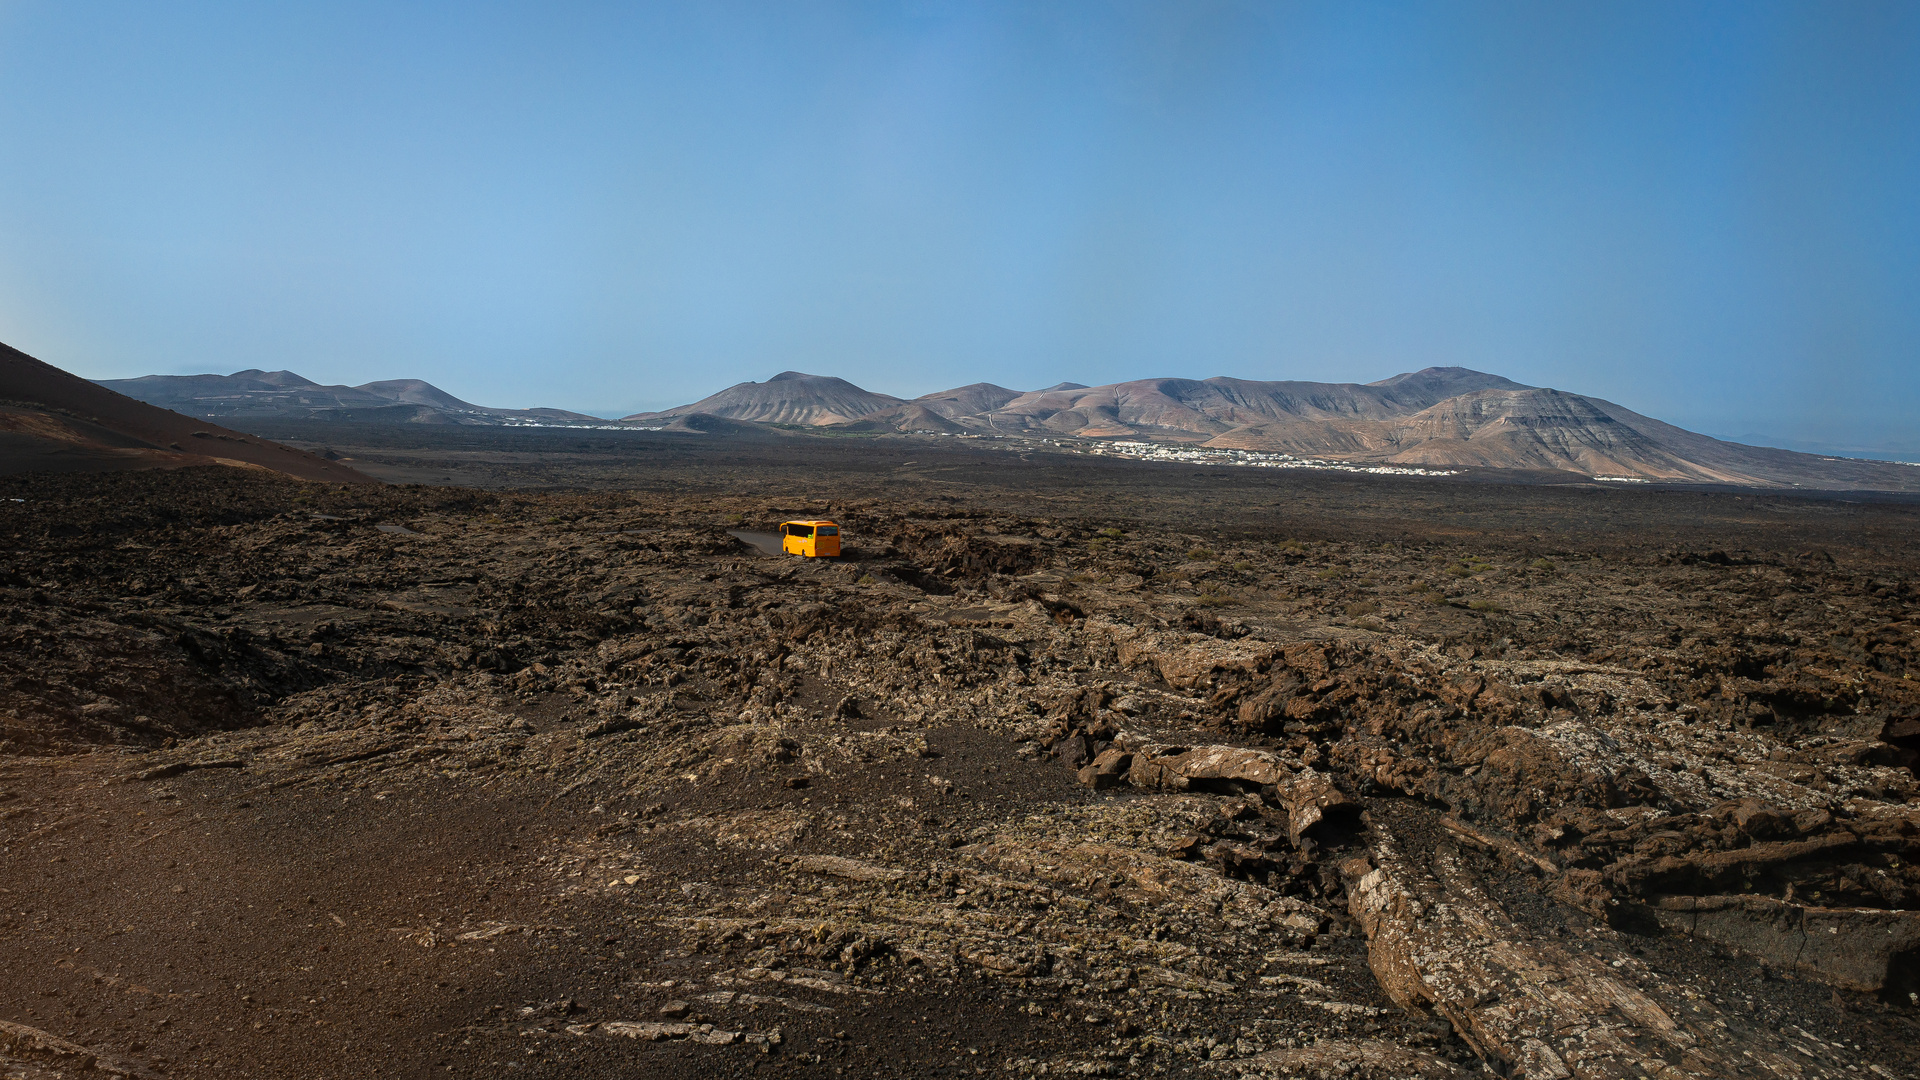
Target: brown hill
{"points": [[1442, 416], [53, 421], [911, 418], [949, 412], [972, 400], [1525, 429], [1535, 428], [791, 397], [1201, 409]]}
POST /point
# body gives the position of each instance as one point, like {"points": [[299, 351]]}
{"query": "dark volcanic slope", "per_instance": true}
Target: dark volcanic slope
{"points": [[1386, 779], [254, 395], [53, 421]]}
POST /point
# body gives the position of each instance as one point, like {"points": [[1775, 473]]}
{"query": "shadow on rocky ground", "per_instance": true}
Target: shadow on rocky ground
{"points": [[1068, 768]]}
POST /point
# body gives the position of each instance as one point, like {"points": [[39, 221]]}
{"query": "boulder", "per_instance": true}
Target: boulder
{"points": [[1074, 752], [1437, 941], [1310, 797], [1855, 948], [1152, 773], [1178, 770], [1712, 871], [1107, 770], [1190, 665], [30, 1052]]}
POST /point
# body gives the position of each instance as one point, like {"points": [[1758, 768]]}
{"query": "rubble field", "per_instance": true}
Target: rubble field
{"points": [[1277, 776]]}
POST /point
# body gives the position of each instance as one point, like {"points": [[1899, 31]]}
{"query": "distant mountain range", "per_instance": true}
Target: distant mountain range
{"points": [[282, 395], [1442, 416], [53, 421], [1447, 417]]}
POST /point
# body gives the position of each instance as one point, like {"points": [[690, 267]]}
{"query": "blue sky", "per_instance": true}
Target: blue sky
{"points": [[1706, 212]]}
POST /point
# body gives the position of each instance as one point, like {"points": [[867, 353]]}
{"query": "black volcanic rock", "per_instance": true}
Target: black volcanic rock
{"points": [[291, 773]]}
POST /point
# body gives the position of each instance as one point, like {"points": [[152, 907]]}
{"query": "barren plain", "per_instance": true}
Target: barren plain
{"points": [[526, 766]]}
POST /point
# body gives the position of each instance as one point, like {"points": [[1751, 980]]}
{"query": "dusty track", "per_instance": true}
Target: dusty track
{"points": [[485, 791]]}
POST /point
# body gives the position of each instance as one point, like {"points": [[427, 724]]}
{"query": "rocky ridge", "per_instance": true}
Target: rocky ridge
{"points": [[1437, 417]]}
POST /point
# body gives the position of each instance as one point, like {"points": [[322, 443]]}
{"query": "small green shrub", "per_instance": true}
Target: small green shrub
{"points": [[1331, 573], [1201, 554], [1361, 608], [1111, 533], [868, 579], [1243, 566], [1212, 597], [1545, 566]]}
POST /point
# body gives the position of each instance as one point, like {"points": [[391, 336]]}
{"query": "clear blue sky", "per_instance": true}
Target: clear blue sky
{"points": [[1707, 212]]}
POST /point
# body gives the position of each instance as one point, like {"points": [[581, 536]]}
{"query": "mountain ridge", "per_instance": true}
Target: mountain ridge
{"points": [[1438, 417], [1442, 417], [255, 394]]}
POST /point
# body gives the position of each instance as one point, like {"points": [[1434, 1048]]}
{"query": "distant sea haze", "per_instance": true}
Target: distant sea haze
{"points": [[1906, 451]]}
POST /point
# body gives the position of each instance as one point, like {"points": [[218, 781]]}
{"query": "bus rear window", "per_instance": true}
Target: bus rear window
{"points": [[829, 530]]}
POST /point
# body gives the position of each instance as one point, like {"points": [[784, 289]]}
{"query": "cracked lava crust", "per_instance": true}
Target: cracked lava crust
{"points": [[1297, 779]]}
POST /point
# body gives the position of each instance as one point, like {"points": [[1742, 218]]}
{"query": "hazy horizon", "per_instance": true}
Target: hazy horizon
{"points": [[1703, 212]]}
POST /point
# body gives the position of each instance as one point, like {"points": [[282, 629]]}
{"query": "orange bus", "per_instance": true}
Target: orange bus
{"points": [[810, 538]]}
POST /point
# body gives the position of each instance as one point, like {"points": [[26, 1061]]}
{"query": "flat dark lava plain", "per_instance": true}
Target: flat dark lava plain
{"points": [[1073, 766]]}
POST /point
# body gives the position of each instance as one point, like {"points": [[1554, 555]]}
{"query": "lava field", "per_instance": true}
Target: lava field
{"points": [[1068, 768]]}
